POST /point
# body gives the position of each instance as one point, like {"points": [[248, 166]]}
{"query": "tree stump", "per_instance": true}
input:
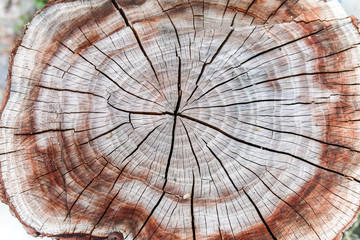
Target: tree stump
{"points": [[164, 119]]}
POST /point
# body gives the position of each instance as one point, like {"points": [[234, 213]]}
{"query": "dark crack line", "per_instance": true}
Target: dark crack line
{"points": [[292, 207], [233, 20], [104, 74], [47, 131], [69, 90], [281, 170], [222, 165], [83, 112], [83, 190], [353, 46], [179, 87], [151, 213], [229, 80], [274, 12], [66, 71], [303, 103], [129, 155], [172, 23], [239, 103], [4, 127], [266, 148], [280, 46], [226, 7], [237, 189], [192, 208], [243, 43], [105, 133], [208, 63], [218, 220], [192, 148], [31, 49], [322, 20], [142, 113], [257, 55], [131, 121], [260, 215], [102, 216], [289, 76], [162, 219], [300, 135], [174, 125], [124, 69], [127, 23], [250, 5]]}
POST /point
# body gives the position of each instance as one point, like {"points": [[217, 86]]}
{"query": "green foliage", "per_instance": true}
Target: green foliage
{"points": [[39, 4], [27, 15], [354, 232], [24, 19]]}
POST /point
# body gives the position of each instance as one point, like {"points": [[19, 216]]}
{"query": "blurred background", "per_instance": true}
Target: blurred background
{"points": [[14, 14]]}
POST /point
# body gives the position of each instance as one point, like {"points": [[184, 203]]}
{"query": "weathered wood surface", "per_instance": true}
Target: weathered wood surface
{"points": [[184, 120]]}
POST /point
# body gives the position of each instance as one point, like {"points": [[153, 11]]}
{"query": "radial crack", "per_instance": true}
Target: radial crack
{"points": [[105, 133], [174, 124], [129, 74], [222, 165], [260, 215], [139, 112], [192, 208], [229, 177], [69, 90], [284, 201], [208, 63], [83, 190], [266, 148], [238, 103], [172, 23], [192, 148], [289, 76], [276, 10], [102, 216], [105, 75], [129, 155], [257, 55], [280, 46], [151, 213], [250, 5], [300, 135], [127, 23]]}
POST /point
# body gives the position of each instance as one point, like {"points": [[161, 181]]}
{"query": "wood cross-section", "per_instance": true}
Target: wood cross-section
{"points": [[167, 119]]}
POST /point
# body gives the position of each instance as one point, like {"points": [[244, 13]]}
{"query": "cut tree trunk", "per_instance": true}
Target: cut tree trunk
{"points": [[164, 119]]}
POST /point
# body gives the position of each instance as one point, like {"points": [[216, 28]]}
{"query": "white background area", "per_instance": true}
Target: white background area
{"points": [[11, 228]]}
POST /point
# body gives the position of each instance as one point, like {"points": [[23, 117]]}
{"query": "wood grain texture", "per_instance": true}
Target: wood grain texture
{"points": [[154, 119]]}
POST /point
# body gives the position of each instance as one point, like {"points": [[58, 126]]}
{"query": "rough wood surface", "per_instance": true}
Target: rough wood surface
{"points": [[156, 119]]}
